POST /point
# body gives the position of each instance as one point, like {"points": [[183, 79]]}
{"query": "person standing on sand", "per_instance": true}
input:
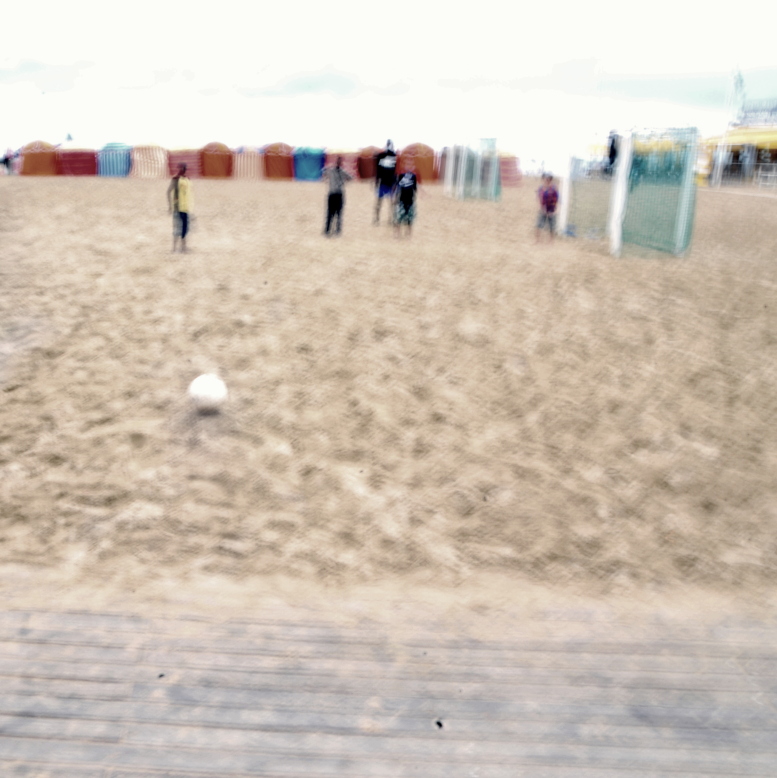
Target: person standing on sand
{"points": [[407, 188], [336, 177], [179, 200], [548, 197], [385, 177]]}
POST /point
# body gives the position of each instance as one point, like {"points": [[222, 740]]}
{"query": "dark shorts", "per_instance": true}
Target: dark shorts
{"points": [[180, 224], [385, 191], [404, 213], [546, 218]]}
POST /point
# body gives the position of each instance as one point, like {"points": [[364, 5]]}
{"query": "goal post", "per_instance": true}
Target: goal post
{"points": [[619, 194], [648, 200], [473, 173]]}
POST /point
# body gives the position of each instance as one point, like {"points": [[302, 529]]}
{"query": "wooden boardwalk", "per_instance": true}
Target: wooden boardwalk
{"points": [[293, 695]]}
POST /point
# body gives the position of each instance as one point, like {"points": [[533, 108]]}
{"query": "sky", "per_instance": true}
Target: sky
{"points": [[546, 81]]}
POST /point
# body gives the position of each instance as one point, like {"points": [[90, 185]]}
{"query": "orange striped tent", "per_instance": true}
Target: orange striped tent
{"points": [[510, 170], [279, 161], [247, 163], [76, 162], [366, 162], [216, 161], [350, 161], [422, 157], [188, 157], [149, 162], [39, 159]]}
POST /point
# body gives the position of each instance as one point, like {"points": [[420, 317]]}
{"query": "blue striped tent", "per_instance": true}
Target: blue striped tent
{"points": [[308, 164], [114, 160]]}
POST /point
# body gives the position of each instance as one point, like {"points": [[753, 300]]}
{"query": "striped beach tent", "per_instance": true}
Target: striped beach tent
{"points": [[509, 170], [308, 164], [76, 162], [114, 159], [366, 162], [149, 162], [39, 159], [216, 161], [422, 157], [278, 161], [247, 163], [189, 157], [350, 161]]}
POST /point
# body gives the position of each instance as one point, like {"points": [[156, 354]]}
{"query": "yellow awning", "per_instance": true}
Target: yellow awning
{"points": [[761, 137]]}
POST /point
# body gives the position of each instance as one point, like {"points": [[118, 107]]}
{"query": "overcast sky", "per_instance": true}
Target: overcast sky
{"points": [[544, 79]]}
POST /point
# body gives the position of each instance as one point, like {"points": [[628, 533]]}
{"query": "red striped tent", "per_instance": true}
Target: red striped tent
{"points": [[149, 162], [422, 157], [216, 161], [247, 163], [76, 162], [509, 170], [189, 157], [279, 161], [39, 159], [366, 162], [350, 161]]}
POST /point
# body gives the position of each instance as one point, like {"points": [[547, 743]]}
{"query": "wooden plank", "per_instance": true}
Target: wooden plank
{"points": [[133, 697], [84, 662], [289, 713], [225, 761]]}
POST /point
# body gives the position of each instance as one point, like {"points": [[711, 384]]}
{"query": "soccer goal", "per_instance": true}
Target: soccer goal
{"points": [[472, 172], [648, 200], [586, 192]]}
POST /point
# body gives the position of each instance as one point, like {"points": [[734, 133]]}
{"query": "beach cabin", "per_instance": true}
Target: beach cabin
{"points": [[366, 162], [422, 158], [76, 162], [216, 161], [149, 162], [278, 161], [247, 163], [510, 170], [308, 164], [114, 159], [350, 161], [39, 159], [189, 157]]}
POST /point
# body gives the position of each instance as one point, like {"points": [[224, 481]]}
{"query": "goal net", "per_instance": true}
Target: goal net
{"points": [[661, 191], [471, 172], [587, 191], [648, 199]]}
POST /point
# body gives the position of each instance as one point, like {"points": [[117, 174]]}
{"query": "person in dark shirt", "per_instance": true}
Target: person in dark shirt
{"points": [[404, 205], [612, 152], [548, 197], [385, 176]]}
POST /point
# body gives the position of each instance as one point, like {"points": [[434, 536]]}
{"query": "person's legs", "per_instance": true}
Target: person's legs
{"points": [[410, 218], [329, 213], [551, 226], [339, 213], [540, 225], [176, 230], [184, 230]]}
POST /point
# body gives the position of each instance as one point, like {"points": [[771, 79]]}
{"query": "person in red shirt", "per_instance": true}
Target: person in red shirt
{"points": [[548, 197]]}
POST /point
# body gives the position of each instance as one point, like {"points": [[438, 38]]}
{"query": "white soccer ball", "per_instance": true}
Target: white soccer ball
{"points": [[208, 392]]}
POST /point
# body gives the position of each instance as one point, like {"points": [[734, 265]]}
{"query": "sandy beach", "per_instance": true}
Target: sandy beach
{"points": [[460, 408]]}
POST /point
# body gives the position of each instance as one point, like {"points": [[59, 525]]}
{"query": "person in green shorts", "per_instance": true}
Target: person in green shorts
{"points": [[404, 203]]}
